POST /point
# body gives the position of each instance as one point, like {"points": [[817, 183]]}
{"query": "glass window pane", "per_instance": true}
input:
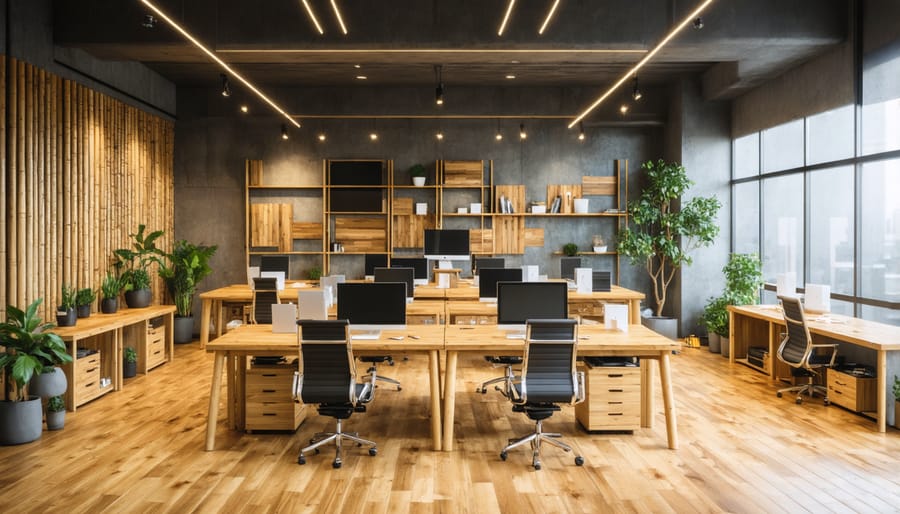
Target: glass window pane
{"points": [[881, 95], [783, 226], [830, 135], [880, 225], [881, 315], [831, 228], [746, 217], [782, 146], [746, 156], [843, 308]]}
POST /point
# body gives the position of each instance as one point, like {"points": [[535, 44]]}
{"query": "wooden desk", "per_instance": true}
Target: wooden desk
{"points": [[764, 323], [109, 331], [639, 341], [236, 345], [615, 295]]}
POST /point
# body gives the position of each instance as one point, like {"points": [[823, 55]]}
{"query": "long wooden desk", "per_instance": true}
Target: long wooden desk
{"points": [[764, 324], [108, 329], [233, 348], [594, 340]]}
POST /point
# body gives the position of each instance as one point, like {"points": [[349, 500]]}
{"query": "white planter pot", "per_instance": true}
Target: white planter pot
{"points": [[418, 181]]}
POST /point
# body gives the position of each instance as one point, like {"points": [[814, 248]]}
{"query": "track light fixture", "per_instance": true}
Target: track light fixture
{"points": [[439, 89], [581, 131], [636, 91], [284, 131], [522, 133], [149, 22], [373, 136], [499, 135], [698, 22], [226, 87]]}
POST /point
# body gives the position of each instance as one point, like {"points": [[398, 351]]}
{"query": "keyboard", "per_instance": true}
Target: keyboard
{"points": [[515, 335], [366, 336]]}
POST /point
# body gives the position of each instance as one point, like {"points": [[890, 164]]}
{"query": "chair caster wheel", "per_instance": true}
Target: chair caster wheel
{"points": [[373, 451], [503, 455], [301, 460], [399, 388], [317, 451], [778, 394], [799, 401], [336, 464], [579, 461], [826, 402], [537, 466]]}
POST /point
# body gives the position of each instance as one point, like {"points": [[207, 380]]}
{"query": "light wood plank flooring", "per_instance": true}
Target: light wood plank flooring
{"points": [[742, 450]]}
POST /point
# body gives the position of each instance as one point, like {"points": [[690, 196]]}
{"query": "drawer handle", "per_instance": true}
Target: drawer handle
{"points": [[614, 403], [838, 392], [269, 375], [268, 390], [615, 413], [617, 390], [269, 414], [838, 382], [616, 375], [91, 370]]}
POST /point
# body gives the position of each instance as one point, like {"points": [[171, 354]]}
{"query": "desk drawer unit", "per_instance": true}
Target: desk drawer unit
{"points": [[269, 405], [612, 398], [856, 394], [87, 378], [156, 346], [593, 309]]}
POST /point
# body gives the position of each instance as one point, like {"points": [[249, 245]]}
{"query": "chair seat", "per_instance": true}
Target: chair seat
{"points": [[375, 358], [507, 360]]}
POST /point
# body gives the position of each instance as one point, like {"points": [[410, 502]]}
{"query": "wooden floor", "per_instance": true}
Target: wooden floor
{"points": [[742, 450]]}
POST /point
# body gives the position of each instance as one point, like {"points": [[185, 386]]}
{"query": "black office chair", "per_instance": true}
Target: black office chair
{"points": [[548, 377], [327, 376], [798, 351], [506, 361], [265, 293]]}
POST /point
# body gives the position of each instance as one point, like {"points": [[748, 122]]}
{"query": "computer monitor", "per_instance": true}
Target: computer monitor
{"points": [[372, 306], [276, 263], [375, 260], [602, 281], [419, 264], [488, 262], [489, 277], [567, 267], [518, 302], [405, 276], [446, 244]]}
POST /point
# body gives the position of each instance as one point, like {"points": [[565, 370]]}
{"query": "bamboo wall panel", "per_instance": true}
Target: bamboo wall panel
{"points": [[81, 171]]}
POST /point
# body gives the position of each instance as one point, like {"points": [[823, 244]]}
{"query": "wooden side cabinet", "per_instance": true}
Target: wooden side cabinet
{"points": [[269, 405], [612, 398], [848, 391]]}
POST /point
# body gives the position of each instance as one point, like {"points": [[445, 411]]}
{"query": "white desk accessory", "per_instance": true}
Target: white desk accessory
{"points": [[277, 275], [284, 318], [584, 280], [615, 316]]}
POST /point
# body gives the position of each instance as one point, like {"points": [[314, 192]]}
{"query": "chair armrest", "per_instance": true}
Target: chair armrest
{"points": [[833, 347], [579, 387], [297, 386]]}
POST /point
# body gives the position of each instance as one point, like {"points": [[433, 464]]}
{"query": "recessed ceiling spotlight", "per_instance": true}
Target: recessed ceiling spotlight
{"points": [[361, 77], [623, 109], [439, 136], [510, 76], [357, 66], [698, 22], [321, 136], [373, 136], [149, 21], [245, 109], [514, 62], [522, 133]]}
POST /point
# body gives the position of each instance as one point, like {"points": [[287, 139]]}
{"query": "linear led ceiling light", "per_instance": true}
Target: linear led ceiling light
{"points": [[633, 71], [509, 9], [312, 16], [337, 14], [220, 62], [549, 15]]}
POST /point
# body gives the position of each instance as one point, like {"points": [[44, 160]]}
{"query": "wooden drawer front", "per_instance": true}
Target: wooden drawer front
{"points": [[856, 394], [474, 320], [274, 416], [269, 383], [87, 379], [586, 308], [612, 399], [156, 333], [156, 352]]}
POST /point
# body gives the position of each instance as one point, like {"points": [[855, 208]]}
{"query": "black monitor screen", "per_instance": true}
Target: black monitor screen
{"points": [[488, 262], [446, 243], [420, 264], [487, 280], [275, 263], [520, 301], [372, 303], [403, 275], [375, 260], [567, 267]]}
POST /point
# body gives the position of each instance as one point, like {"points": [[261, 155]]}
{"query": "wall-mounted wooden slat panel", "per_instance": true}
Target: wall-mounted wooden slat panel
{"points": [[81, 171]]}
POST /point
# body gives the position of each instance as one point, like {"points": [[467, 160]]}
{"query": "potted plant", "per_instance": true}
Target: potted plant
{"points": [[570, 249], [129, 368], [743, 279], [896, 390], [109, 291], [186, 266], [598, 244], [661, 236], [715, 319], [65, 313], [417, 172], [84, 298], [28, 343], [56, 413], [134, 265], [314, 273]]}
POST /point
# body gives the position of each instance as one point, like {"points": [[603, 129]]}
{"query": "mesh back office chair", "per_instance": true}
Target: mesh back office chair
{"points": [[327, 376], [265, 293], [798, 351], [548, 377]]}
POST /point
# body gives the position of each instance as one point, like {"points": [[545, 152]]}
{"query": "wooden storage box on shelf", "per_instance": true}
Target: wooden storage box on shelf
{"points": [[612, 398], [87, 378], [268, 400], [463, 173], [586, 309], [156, 345], [854, 393]]}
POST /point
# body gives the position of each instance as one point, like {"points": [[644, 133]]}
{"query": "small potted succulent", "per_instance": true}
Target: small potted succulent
{"points": [[418, 173], [84, 298], [56, 413], [598, 244], [65, 313], [570, 249], [109, 291], [129, 368]]}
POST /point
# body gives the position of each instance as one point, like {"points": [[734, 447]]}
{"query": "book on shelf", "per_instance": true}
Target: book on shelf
{"points": [[554, 207]]}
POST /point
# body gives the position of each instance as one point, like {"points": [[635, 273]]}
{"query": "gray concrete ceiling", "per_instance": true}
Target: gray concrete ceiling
{"points": [[589, 43]]}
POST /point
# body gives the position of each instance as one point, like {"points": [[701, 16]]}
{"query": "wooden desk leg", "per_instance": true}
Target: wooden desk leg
{"points": [[435, 379], [665, 376], [647, 393], [881, 384], [230, 387], [218, 308], [449, 400], [731, 337], [118, 337], [635, 312], [240, 393], [205, 312], [214, 390]]}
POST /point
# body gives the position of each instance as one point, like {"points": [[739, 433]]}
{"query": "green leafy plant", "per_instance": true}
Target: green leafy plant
{"points": [[661, 236], [133, 263], [314, 273], [110, 286], [67, 300], [417, 170], [56, 404], [743, 278], [130, 355], [715, 316], [85, 296], [182, 270], [570, 249], [896, 390], [30, 346]]}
